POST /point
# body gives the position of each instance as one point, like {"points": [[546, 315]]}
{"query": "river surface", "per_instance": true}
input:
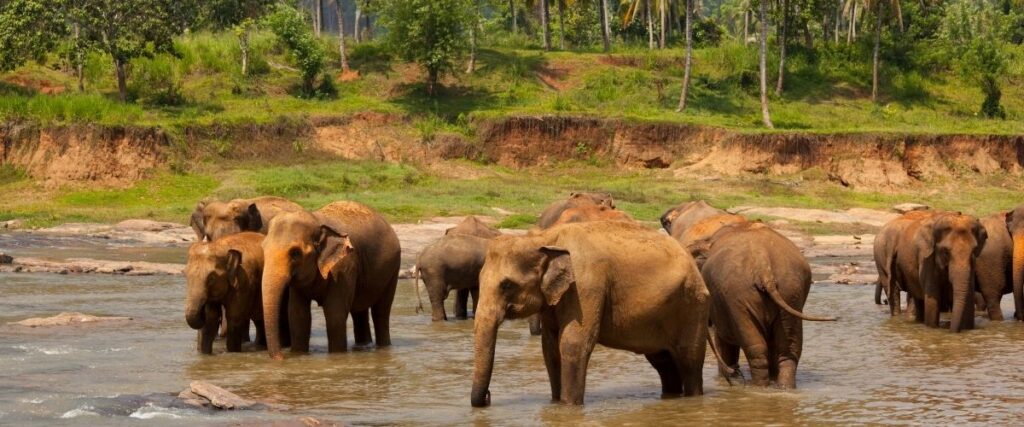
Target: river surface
{"points": [[866, 368]]}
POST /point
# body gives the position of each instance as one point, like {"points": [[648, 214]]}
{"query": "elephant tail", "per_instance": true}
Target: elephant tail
{"points": [[416, 284], [772, 289], [728, 370]]}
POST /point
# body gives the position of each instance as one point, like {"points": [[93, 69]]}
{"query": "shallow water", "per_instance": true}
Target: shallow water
{"points": [[866, 368]]}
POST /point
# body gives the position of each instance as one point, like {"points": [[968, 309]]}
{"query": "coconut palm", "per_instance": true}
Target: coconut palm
{"points": [[879, 7], [689, 55], [632, 9], [605, 27]]}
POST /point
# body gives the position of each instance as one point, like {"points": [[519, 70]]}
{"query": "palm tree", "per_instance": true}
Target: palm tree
{"points": [[561, 23], [632, 10], [689, 55], [878, 5], [782, 47], [605, 27], [763, 53], [545, 23]]}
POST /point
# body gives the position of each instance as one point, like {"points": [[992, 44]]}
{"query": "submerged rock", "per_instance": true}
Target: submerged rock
{"points": [[87, 265], [202, 394], [65, 319]]}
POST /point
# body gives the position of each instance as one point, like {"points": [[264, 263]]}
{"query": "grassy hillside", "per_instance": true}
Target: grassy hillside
{"points": [[827, 89]]}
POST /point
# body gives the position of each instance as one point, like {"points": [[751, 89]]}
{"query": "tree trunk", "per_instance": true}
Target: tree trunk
{"points": [[340, 14], [664, 21], [368, 25], [471, 66], [650, 24], [878, 41], [515, 21], [545, 23], [79, 60], [782, 47], [561, 24], [839, 20], [356, 29], [763, 51], [432, 77], [746, 27], [318, 18], [243, 46], [605, 27], [122, 85], [688, 30]]}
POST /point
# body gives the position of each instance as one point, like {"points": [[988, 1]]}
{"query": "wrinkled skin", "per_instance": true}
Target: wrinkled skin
{"points": [[213, 220], [473, 226], [226, 273], [1015, 224], [883, 250], [591, 213], [935, 263], [345, 257], [676, 220], [994, 272], [554, 210], [613, 283], [452, 263], [759, 282]]}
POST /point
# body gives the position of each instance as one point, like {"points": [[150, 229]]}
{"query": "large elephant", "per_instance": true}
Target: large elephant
{"points": [[613, 283], [452, 263], [554, 210], [677, 219], [1015, 224], [586, 213], [345, 257], [226, 273], [473, 226], [883, 249], [994, 272], [212, 220], [935, 262], [759, 282]]}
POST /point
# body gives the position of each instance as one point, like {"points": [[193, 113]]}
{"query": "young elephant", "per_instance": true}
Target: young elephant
{"points": [[345, 257], [554, 210], [676, 220], [609, 282], [935, 261], [454, 262], [591, 213], [883, 249], [994, 272], [225, 273], [213, 220], [473, 226], [759, 282]]}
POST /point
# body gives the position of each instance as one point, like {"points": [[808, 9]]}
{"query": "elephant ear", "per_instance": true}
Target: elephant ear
{"points": [[234, 262], [255, 221], [558, 275], [198, 222], [332, 248]]}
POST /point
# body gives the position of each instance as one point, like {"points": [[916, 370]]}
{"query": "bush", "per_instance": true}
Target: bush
{"points": [[290, 27], [156, 81]]}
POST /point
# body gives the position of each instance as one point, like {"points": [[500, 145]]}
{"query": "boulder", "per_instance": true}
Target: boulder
{"points": [[65, 319], [909, 207], [13, 224], [6, 259], [218, 397]]}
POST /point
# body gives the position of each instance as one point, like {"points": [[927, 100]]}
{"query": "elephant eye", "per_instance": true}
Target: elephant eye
{"points": [[507, 285], [295, 253]]}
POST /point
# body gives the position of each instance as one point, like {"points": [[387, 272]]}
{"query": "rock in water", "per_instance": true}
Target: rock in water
{"points": [[6, 259], [65, 319], [219, 397]]}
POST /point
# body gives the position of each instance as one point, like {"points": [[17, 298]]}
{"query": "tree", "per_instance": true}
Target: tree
{"points": [[30, 29], [632, 9], [241, 16], [763, 62], [973, 36], [289, 25], [878, 7], [428, 32], [605, 27], [782, 46], [545, 18], [689, 55], [339, 13]]}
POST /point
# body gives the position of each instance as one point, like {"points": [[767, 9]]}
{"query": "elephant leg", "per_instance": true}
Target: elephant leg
{"points": [[237, 331], [475, 293], [381, 312], [992, 301], [283, 324], [361, 327], [549, 344], [575, 346], [671, 380], [787, 343], [535, 325], [299, 321], [932, 305], [224, 325], [261, 333], [967, 322], [878, 291], [893, 296], [210, 329], [915, 309], [461, 301], [436, 292], [336, 312]]}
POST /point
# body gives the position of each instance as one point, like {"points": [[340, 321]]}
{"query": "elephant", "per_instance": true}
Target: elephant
{"points": [[883, 248], [212, 220], [759, 282], [1015, 225], [454, 262], [586, 213], [993, 266], [935, 262], [676, 220], [473, 226], [345, 257], [613, 283], [227, 273], [554, 210]]}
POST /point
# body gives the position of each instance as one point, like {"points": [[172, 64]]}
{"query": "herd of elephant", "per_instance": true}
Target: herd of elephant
{"points": [[587, 274]]}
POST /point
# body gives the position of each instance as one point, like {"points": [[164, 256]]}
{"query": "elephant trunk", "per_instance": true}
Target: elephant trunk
{"points": [[1018, 275], [275, 281], [195, 305], [961, 279], [485, 340]]}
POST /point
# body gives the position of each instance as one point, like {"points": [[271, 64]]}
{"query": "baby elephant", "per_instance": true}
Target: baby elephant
{"points": [[226, 273], [759, 282], [454, 263]]}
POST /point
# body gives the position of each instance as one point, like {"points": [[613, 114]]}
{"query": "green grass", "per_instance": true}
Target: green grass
{"points": [[406, 194]]}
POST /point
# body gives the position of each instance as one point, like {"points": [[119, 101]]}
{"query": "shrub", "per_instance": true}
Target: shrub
{"points": [[289, 25], [156, 81]]}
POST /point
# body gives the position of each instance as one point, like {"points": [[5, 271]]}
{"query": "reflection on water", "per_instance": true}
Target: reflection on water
{"points": [[866, 368]]}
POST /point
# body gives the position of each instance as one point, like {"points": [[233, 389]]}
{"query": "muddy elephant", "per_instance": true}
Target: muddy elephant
{"points": [[345, 257], [759, 282], [554, 210], [473, 226], [935, 261], [226, 273], [883, 249], [591, 213], [994, 265], [212, 220], [677, 219], [613, 283], [1015, 224], [452, 263]]}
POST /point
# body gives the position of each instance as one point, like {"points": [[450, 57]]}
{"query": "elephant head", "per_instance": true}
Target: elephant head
{"points": [[210, 273], [520, 276], [680, 217], [213, 220], [299, 250], [474, 227], [600, 199], [947, 246], [1015, 224]]}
